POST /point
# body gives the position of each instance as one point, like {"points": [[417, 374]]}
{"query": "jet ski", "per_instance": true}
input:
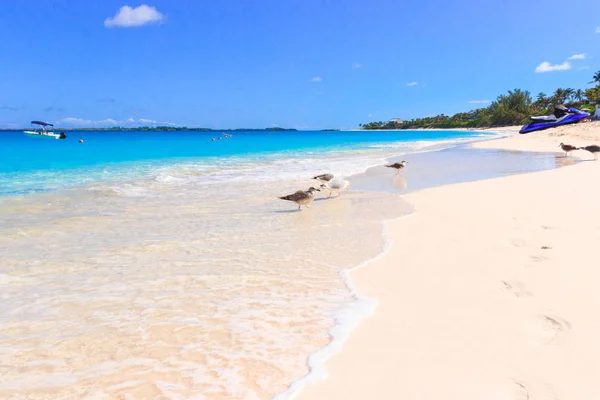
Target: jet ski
{"points": [[561, 116]]}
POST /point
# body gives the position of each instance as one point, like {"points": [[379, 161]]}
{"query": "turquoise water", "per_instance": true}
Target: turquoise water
{"points": [[146, 265], [32, 164]]}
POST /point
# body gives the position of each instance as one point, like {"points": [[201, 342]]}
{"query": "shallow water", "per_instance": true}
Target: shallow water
{"points": [[187, 279], [223, 296]]}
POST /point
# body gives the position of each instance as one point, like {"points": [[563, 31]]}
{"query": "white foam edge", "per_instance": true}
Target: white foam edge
{"points": [[346, 320]]}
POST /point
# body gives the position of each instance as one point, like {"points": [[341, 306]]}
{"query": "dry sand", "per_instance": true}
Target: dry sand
{"points": [[490, 291]]}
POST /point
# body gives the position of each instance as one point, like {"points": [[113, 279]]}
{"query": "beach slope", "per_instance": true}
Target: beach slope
{"points": [[488, 292]]}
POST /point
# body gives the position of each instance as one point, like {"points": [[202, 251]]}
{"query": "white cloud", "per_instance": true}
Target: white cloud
{"points": [[577, 57], [412, 83], [128, 17], [370, 115], [598, 29], [547, 67], [75, 121], [107, 121], [479, 101], [356, 65], [111, 122], [148, 121], [316, 79]]}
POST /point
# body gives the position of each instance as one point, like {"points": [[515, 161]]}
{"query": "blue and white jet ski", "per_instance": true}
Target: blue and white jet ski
{"points": [[562, 116]]}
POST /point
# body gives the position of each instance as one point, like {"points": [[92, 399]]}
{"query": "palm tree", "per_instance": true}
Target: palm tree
{"points": [[579, 95], [560, 95], [569, 94], [596, 78]]}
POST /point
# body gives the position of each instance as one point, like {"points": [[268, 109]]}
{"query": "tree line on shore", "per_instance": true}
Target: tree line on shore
{"points": [[512, 108]]}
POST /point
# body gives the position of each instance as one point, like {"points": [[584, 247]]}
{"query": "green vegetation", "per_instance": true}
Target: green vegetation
{"points": [[512, 108]]}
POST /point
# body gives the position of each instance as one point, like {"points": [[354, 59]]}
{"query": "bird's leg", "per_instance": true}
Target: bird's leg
{"points": [[299, 207], [330, 195]]}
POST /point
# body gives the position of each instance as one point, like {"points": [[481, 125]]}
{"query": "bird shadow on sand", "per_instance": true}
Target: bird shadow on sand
{"points": [[286, 211]]}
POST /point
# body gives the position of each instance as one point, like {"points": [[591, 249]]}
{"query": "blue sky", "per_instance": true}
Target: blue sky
{"points": [[295, 63]]}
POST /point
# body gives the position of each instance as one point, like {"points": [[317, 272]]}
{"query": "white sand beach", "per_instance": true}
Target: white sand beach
{"points": [[489, 291]]}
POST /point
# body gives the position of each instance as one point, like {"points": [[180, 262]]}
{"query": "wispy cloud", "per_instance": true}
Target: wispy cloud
{"points": [[11, 108], [109, 100], [53, 108], [479, 101], [580, 56], [547, 67], [598, 29], [356, 65], [316, 79], [128, 17], [74, 121], [585, 67], [111, 122], [320, 93], [412, 83], [370, 115]]}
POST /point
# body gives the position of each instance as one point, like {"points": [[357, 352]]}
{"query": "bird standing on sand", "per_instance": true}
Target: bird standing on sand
{"points": [[398, 166], [594, 149], [302, 197], [323, 178], [336, 185], [567, 148]]}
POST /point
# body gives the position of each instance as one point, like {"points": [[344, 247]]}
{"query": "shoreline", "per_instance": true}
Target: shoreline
{"points": [[365, 343], [352, 316], [362, 304]]}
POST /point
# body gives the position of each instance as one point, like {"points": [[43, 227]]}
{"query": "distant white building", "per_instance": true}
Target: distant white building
{"points": [[396, 120]]}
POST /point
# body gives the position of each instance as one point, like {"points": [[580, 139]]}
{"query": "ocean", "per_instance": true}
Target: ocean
{"points": [[162, 265]]}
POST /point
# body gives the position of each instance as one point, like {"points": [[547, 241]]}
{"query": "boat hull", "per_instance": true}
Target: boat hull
{"points": [[44, 134]]}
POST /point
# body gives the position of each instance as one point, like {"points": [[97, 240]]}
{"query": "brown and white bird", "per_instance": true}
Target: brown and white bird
{"points": [[594, 149], [302, 197], [335, 185], [398, 166], [323, 178], [567, 148]]}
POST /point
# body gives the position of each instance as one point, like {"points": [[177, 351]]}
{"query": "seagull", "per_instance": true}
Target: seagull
{"points": [[323, 178], [302, 197], [594, 149], [336, 185], [398, 166], [567, 148]]}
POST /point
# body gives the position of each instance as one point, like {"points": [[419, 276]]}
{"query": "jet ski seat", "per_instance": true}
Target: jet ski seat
{"points": [[559, 112]]}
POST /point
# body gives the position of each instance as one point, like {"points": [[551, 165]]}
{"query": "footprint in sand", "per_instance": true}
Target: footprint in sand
{"points": [[518, 242], [515, 288], [553, 327], [532, 390], [538, 258], [521, 392]]}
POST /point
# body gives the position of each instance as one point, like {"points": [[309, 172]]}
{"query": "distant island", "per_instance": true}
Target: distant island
{"points": [[166, 128], [513, 108]]}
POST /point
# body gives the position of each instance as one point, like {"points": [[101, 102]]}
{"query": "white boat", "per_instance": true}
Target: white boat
{"points": [[40, 128]]}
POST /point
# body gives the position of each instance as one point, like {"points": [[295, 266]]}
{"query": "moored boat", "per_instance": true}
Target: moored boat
{"points": [[40, 128]]}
